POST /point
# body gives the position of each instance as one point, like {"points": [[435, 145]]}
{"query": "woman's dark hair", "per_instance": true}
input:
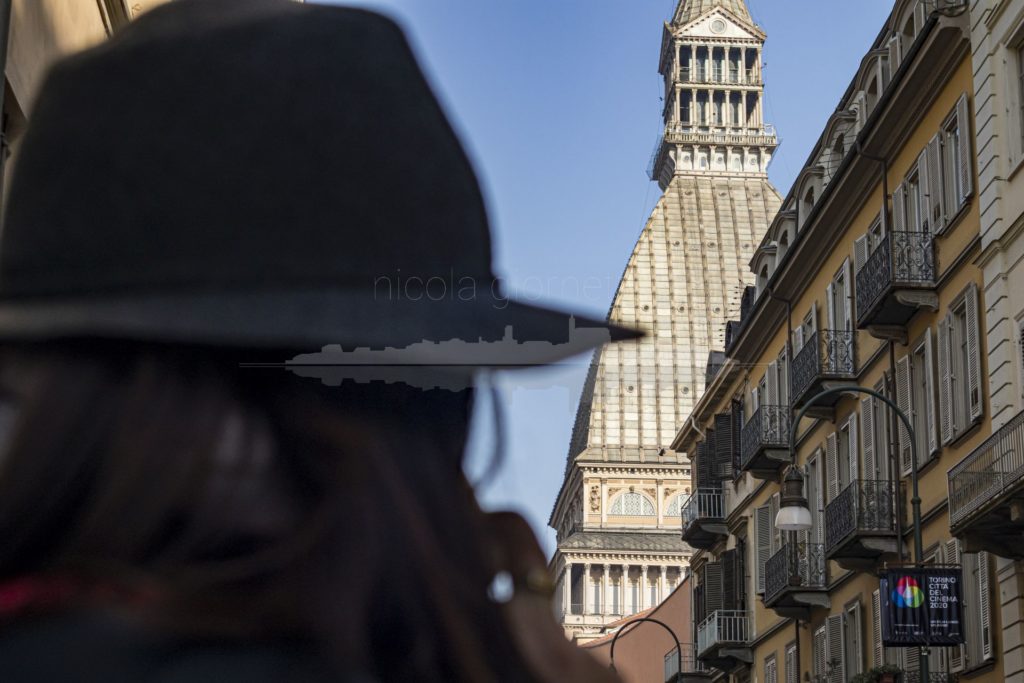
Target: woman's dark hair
{"points": [[249, 503]]}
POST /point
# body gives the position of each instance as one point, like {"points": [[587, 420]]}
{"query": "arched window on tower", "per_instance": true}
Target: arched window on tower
{"points": [[674, 508], [633, 505]]}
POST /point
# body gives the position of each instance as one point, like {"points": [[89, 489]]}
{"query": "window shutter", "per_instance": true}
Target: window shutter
{"points": [[899, 209], [773, 512], [903, 402], [848, 294], [945, 360], [972, 306], [711, 438], [925, 183], [854, 449], [834, 646], [935, 189], [728, 562], [703, 466], [830, 306], [814, 318], [791, 673], [963, 116], [772, 384], [861, 253], [931, 413], [724, 444], [876, 629], [712, 588], [895, 54], [956, 653], [763, 539], [819, 652], [771, 673], [832, 466], [985, 606], [853, 648], [910, 658], [867, 438], [738, 418]]}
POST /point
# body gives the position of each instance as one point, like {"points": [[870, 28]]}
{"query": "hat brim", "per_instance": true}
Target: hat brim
{"points": [[481, 331]]}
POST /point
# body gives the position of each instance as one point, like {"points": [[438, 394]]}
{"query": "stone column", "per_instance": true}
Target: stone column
{"points": [[663, 583], [643, 588], [567, 582], [693, 106], [622, 587], [743, 110], [586, 587], [606, 602]]}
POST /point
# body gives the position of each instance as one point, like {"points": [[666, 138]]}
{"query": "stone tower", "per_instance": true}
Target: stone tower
{"points": [[617, 516]]}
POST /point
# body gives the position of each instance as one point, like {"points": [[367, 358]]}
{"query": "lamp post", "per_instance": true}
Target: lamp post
{"points": [[638, 620], [798, 518]]}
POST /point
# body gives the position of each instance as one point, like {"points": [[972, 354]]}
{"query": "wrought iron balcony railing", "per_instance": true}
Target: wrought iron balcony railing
{"points": [[723, 627], [989, 477], [767, 430], [691, 665], [701, 74], [701, 505], [866, 506], [902, 260], [798, 565], [827, 355]]}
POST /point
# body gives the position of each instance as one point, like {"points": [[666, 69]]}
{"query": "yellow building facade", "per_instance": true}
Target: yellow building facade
{"points": [[868, 278]]}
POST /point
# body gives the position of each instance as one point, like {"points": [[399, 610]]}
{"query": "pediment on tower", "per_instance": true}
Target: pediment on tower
{"points": [[720, 23]]}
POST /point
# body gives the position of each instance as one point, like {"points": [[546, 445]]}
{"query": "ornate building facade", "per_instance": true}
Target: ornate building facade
{"points": [[617, 515]]}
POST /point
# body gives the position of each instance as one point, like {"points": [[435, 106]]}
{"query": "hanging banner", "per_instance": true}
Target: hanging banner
{"points": [[922, 606]]}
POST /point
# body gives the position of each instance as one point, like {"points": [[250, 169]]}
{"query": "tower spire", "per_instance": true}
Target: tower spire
{"points": [[689, 10]]}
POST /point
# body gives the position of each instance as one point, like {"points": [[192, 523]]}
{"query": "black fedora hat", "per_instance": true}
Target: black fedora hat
{"points": [[253, 174]]}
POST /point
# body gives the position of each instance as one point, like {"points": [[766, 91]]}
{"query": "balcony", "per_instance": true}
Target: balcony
{"points": [[723, 639], [704, 518], [693, 670], [860, 524], [764, 442], [825, 361], [986, 494], [720, 75], [897, 279], [795, 580]]}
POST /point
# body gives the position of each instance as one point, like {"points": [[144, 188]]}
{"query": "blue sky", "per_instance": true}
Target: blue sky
{"points": [[558, 103]]}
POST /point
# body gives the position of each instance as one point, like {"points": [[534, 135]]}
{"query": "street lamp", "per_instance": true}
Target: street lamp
{"points": [[915, 500], [794, 514]]}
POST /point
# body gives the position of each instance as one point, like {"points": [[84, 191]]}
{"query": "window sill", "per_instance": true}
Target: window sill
{"points": [[957, 218], [958, 440], [983, 668], [1016, 168]]}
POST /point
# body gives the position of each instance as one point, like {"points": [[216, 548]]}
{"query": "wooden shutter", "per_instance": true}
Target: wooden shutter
{"points": [[831, 314], [711, 438], [861, 252], [772, 384], [895, 54], [763, 543], [854, 449], [738, 419], [773, 512], [931, 412], [985, 606], [945, 359], [814, 317], [867, 438], [832, 466], [903, 401], [877, 652], [771, 673], [976, 407], [935, 185], [724, 443], [853, 647], [924, 180], [819, 651], [899, 209], [957, 652], [792, 674], [848, 296], [703, 467], [910, 658], [834, 648], [713, 598], [963, 116], [728, 562]]}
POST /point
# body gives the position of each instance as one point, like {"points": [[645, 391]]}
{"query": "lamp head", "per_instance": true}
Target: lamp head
{"points": [[794, 514]]}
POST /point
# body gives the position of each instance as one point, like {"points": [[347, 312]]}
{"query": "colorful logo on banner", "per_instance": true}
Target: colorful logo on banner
{"points": [[908, 593], [922, 606]]}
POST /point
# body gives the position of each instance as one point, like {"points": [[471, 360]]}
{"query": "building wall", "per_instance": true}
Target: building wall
{"points": [[997, 36], [957, 250]]}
